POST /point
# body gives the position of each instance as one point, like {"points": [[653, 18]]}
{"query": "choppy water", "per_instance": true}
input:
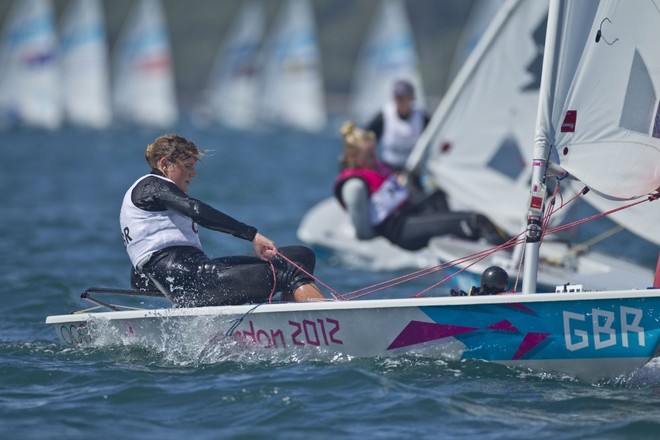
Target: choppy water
{"points": [[60, 200]]}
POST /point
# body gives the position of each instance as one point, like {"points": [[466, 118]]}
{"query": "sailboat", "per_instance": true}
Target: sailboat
{"points": [[233, 90], [591, 335], [482, 169], [292, 82], [85, 67], [29, 70], [143, 85], [388, 54]]}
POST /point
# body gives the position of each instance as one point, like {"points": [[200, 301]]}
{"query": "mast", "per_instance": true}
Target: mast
{"points": [[542, 146]]}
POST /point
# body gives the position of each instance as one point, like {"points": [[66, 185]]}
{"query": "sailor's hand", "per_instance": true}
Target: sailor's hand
{"points": [[264, 247]]}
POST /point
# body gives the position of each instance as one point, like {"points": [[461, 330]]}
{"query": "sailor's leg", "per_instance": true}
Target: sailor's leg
{"points": [[416, 230], [297, 285], [190, 279], [306, 292]]}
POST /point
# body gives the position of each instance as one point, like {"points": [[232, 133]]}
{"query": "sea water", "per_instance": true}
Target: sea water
{"points": [[61, 192]]}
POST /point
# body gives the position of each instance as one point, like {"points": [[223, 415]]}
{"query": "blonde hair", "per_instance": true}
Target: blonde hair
{"points": [[355, 139], [173, 147]]}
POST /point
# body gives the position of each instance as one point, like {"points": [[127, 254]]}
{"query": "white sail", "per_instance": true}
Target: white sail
{"points": [[29, 71], [234, 86], [292, 93], [85, 67], [388, 54], [143, 91], [481, 15], [600, 105], [477, 142], [475, 148]]}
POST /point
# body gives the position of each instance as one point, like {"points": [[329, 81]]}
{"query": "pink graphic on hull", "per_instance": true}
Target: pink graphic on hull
{"points": [[417, 332], [529, 342], [504, 326]]}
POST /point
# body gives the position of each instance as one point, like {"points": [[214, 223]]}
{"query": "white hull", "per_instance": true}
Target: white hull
{"points": [[589, 335]]}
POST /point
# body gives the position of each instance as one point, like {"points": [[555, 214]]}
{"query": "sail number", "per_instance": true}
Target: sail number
{"points": [[603, 328]]}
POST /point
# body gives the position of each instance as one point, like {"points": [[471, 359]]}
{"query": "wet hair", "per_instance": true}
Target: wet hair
{"points": [[354, 139], [173, 147]]}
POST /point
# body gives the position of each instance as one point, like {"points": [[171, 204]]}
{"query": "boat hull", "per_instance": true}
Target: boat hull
{"points": [[589, 335]]}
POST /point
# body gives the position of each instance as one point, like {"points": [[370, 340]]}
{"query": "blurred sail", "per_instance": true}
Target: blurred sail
{"points": [[29, 71], [85, 67], [481, 15], [144, 91], [388, 54], [233, 89], [479, 138], [292, 93]]}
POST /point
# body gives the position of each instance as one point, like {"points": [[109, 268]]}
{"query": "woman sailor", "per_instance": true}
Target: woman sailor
{"points": [[378, 202], [159, 227]]}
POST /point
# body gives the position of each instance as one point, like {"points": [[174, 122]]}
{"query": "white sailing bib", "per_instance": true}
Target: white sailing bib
{"points": [[400, 135], [146, 232], [386, 199]]}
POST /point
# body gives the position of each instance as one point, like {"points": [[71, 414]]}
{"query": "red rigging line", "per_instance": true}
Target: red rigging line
{"points": [[475, 257]]}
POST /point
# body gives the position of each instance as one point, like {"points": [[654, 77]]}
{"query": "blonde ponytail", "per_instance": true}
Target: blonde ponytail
{"points": [[354, 139]]}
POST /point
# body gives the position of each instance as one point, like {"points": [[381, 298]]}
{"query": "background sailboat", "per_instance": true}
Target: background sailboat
{"points": [[474, 148], [388, 54], [467, 134], [233, 88], [292, 84], [475, 145], [29, 71], [143, 85], [85, 67]]}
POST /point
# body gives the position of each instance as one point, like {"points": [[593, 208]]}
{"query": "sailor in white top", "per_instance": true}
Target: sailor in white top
{"points": [[399, 125], [159, 228]]}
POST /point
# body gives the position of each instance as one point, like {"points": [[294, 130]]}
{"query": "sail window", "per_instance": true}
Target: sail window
{"points": [[508, 160], [639, 103]]}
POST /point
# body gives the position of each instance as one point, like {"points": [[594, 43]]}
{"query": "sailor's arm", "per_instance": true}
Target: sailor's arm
{"points": [[158, 194], [356, 198]]}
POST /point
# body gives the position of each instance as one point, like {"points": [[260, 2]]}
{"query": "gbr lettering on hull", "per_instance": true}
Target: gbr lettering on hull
{"points": [[601, 329]]}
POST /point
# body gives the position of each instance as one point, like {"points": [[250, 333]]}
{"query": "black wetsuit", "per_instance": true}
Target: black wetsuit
{"points": [[416, 223], [189, 278]]}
